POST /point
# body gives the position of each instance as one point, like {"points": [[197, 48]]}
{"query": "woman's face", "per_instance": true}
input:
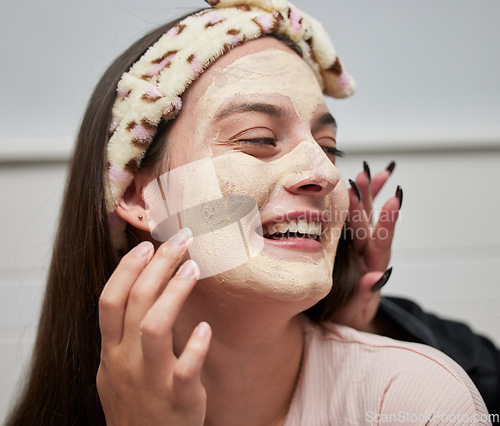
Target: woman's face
{"points": [[255, 127]]}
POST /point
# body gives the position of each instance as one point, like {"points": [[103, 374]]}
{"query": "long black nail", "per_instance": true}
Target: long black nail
{"points": [[356, 189], [399, 194], [391, 166], [366, 167], [383, 280]]}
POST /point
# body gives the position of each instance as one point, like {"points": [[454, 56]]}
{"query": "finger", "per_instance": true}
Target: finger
{"points": [[188, 368], [384, 230], [113, 300], [367, 300], [379, 251], [357, 221], [379, 180], [363, 182], [152, 281], [352, 314], [156, 328]]}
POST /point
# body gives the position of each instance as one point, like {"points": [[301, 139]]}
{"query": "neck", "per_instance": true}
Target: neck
{"points": [[253, 362]]}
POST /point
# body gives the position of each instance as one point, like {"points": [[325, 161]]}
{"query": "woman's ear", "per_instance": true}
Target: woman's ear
{"points": [[132, 208]]}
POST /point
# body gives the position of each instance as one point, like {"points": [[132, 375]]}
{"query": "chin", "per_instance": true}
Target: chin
{"points": [[264, 277]]}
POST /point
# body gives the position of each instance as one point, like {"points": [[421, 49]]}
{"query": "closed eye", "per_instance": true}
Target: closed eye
{"points": [[330, 150], [263, 141]]}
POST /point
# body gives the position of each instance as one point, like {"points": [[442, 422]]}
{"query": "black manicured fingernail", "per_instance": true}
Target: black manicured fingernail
{"points": [[391, 166], [399, 194], [383, 280], [356, 189], [367, 170]]}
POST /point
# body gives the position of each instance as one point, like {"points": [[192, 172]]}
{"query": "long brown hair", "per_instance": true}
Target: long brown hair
{"points": [[60, 387]]}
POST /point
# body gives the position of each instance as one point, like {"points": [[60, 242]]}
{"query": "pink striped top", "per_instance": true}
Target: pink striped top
{"points": [[354, 378]]}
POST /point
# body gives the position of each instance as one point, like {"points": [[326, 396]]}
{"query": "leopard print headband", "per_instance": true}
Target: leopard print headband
{"points": [[151, 90]]}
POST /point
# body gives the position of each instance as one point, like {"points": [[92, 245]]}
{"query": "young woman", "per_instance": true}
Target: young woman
{"points": [[218, 125]]}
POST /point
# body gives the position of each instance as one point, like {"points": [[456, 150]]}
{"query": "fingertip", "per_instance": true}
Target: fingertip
{"points": [[382, 281], [390, 168], [181, 237], [143, 250], [196, 269], [203, 330], [188, 368], [366, 168], [189, 269], [390, 210], [356, 189], [399, 195], [199, 342]]}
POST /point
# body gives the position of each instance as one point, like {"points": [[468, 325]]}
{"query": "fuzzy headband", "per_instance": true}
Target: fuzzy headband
{"points": [[150, 91]]}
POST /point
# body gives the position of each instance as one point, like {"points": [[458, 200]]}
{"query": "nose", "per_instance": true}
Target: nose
{"points": [[312, 185], [313, 173]]}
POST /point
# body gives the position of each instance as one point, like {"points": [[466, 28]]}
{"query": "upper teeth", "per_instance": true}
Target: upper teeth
{"points": [[302, 226]]}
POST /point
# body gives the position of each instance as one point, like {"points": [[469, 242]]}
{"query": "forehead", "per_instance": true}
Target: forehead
{"points": [[260, 67]]}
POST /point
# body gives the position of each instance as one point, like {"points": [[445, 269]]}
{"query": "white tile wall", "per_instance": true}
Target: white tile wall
{"points": [[31, 195]]}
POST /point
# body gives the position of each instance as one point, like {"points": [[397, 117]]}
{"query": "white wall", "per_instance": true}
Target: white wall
{"points": [[428, 98]]}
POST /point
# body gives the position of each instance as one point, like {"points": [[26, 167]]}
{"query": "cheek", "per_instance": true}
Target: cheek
{"points": [[340, 202], [186, 142], [338, 210], [241, 174]]}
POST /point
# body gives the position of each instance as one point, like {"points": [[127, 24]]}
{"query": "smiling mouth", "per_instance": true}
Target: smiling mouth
{"points": [[303, 229]]}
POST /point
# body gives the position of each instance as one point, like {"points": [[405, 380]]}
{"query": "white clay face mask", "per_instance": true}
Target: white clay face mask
{"points": [[221, 200], [225, 198]]}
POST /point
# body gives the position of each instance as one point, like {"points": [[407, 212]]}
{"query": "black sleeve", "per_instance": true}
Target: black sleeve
{"points": [[477, 355]]}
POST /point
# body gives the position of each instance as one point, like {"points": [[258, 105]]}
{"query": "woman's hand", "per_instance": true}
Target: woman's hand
{"points": [[140, 381], [372, 242]]}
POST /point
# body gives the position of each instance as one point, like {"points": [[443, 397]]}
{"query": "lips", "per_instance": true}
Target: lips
{"points": [[301, 230]]}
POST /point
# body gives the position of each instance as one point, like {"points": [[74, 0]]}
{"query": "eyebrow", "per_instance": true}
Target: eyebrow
{"points": [[326, 119], [268, 109]]}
